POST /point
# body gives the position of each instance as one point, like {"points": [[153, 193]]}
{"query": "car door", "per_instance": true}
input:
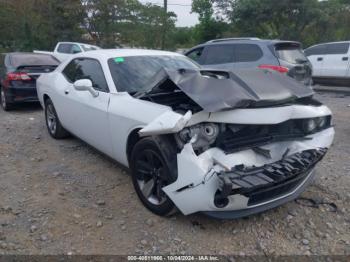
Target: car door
{"points": [[316, 55], [84, 115], [336, 61]]}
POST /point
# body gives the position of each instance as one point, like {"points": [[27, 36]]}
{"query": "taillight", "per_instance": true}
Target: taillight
{"points": [[280, 69], [18, 77]]}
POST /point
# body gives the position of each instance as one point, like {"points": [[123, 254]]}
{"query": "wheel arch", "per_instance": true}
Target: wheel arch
{"points": [[45, 98], [133, 138], [166, 143]]}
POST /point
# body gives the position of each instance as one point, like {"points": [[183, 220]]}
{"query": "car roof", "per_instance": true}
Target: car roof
{"points": [[77, 43], [325, 43], [29, 54], [245, 40], [111, 53], [25, 54]]}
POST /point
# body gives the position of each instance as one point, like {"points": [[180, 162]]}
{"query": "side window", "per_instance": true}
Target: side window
{"points": [[247, 52], [316, 50], [75, 49], [85, 68], [65, 48], [70, 71], [337, 48], [196, 54], [219, 54]]}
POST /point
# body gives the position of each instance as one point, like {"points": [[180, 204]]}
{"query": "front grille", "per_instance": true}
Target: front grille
{"points": [[264, 183]]}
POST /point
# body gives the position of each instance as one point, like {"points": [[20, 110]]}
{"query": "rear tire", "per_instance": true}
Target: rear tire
{"points": [[6, 106], [53, 124], [150, 172]]}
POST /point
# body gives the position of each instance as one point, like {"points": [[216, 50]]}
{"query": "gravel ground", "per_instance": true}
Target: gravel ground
{"points": [[63, 197]]}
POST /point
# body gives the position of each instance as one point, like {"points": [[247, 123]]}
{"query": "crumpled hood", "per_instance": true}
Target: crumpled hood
{"points": [[237, 89]]}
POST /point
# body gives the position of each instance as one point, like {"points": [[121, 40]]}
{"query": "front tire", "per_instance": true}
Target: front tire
{"points": [[150, 172], [53, 124], [4, 103]]}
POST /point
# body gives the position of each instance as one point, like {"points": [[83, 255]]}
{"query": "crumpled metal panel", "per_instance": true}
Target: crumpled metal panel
{"points": [[237, 89]]}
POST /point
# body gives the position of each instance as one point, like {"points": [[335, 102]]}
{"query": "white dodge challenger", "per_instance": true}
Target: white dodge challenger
{"points": [[225, 143]]}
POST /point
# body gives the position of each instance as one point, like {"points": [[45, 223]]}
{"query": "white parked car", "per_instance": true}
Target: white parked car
{"points": [[65, 50], [228, 144], [330, 60]]}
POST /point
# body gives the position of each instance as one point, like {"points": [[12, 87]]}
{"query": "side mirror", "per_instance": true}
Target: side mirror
{"points": [[85, 85]]}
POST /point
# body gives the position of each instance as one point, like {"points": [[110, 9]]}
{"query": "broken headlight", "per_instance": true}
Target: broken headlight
{"points": [[309, 125], [201, 136], [314, 124]]}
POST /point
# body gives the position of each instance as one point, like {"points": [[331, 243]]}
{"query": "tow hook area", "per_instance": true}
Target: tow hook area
{"points": [[261, 184]]}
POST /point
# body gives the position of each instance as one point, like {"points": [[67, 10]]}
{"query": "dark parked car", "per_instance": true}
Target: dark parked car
{"points": [[286, 57], [18, 75]]}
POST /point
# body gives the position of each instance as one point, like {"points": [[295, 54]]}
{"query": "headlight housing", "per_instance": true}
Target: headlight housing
{"points": [[312, 125], [309, 125], [202, 135]]}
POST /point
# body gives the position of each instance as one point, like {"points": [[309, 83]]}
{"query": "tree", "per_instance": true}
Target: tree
{"points": [[308, 21], [34, 24], [126, 22], [209, 27]]}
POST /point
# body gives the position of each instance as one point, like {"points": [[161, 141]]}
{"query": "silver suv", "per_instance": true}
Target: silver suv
{"points": [[286, 57]]}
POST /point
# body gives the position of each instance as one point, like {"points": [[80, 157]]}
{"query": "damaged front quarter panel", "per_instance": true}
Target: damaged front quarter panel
{"points": [[167, 123]]}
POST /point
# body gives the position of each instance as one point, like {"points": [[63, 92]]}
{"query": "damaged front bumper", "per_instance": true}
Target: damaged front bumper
{"points": [[246, 182], [261, 184]]}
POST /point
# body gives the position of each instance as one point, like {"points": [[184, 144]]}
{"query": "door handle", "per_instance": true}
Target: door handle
{"points": [[66, 92], [320, 59], [345, 58]]}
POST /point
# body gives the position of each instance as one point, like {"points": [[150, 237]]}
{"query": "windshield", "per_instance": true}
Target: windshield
{"points": [[292, 54], [136, 73]]}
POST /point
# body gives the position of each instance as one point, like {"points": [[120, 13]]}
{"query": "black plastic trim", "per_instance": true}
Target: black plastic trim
{"points": [[263, 207]]}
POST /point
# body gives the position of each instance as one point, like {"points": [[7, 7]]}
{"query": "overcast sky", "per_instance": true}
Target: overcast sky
{"points": [[182, 8]]}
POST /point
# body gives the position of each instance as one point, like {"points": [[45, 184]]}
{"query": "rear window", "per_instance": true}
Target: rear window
{"points": [[291, 53], [18, 60], [137, 73], [232, 53]]}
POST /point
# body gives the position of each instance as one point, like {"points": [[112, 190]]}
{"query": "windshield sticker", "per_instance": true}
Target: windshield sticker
{"points": [[119, 59]]}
